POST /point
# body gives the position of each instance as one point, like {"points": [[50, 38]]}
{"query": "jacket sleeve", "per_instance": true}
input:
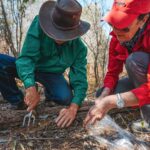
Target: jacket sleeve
{"points": [[78, 76], [115, 66], [29, 55]]}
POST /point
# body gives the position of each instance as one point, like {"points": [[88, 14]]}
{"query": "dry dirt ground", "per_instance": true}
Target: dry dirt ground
{"points": [[45, 135]]}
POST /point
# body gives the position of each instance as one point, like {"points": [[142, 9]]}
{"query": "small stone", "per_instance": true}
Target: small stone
{"points": [[30, 144]]}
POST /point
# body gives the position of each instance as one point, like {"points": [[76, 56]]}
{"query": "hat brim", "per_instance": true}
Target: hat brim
{"points": [[55, 33], [119, 19]]}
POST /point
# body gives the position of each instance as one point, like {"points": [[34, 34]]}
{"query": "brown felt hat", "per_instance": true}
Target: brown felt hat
{"points": [[60, 20]]}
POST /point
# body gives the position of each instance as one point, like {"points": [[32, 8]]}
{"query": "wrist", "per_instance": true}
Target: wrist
{"points": [[30, 88], [111, 101], [74, 107]]}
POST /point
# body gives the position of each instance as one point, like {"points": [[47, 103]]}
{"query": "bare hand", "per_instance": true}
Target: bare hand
{"points": [[66, 116], [97, 112], [32, 98]]}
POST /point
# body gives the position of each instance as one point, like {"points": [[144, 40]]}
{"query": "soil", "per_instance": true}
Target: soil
{"points": [[45, 135]]}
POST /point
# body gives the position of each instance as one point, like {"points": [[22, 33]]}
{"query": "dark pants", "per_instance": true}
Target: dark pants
{"points": [[56, 87], [136, 66]]}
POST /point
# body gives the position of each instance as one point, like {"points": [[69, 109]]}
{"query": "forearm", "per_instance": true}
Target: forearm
{"points": [[106, 91], [128, 97]]}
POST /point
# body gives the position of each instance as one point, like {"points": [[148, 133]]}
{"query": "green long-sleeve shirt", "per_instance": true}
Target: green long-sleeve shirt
{"points": [[41, 53]]}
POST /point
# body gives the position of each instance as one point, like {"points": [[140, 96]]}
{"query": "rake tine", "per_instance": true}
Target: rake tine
{"points": [[33, 117], [29, 121], [30, 115], [24, 119]]}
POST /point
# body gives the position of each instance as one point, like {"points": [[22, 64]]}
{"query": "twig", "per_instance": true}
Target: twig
{"points": [[15, 142]]}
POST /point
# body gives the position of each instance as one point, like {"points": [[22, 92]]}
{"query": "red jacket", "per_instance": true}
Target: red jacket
{"points": [[117, 56]]}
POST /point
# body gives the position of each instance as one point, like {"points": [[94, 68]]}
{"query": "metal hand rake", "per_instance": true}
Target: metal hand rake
{"points": [[30, 117]]}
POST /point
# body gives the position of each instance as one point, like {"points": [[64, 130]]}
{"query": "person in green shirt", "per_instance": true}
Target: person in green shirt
{"points": [[52, 45]]}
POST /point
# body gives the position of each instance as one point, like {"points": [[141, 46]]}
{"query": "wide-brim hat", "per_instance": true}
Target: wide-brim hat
{"points": [[61, 20], [124, 12]]}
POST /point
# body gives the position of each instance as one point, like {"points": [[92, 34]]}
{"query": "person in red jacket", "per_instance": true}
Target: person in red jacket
{"points": [[129, 46]]}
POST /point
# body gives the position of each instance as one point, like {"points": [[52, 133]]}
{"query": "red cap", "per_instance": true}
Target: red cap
{"points": [[124, 12]]}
